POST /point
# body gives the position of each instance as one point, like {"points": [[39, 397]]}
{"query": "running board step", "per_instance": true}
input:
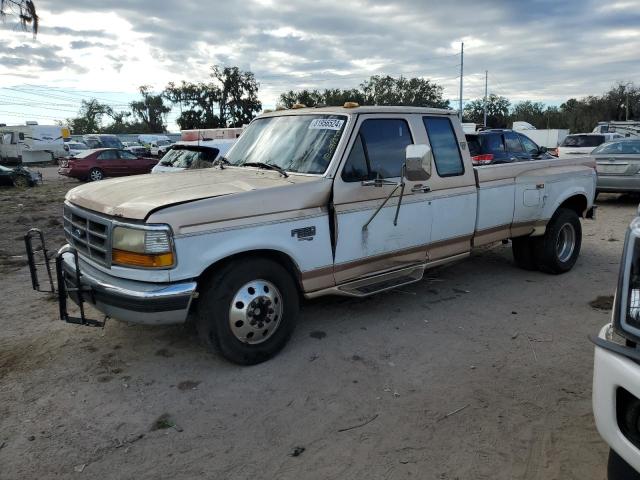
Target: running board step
{"points": [[382, 282]]}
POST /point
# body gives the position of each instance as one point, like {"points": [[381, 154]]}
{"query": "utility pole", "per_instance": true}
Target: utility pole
{"points": [[627, 105], [486, 87], [461, 74]]}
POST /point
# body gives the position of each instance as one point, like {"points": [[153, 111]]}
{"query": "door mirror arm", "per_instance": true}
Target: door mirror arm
{"points": [[379, 182]]}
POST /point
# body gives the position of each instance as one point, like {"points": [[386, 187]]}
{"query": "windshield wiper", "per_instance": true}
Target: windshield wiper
{"points": [[268, 166], [221, 161]]}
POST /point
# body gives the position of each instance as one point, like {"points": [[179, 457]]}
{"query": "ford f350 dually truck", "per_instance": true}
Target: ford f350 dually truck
{"points": [[310, 201]]}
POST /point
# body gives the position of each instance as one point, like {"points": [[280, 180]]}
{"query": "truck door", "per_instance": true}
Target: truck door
{"points": [[377, 150], [453, 194]]}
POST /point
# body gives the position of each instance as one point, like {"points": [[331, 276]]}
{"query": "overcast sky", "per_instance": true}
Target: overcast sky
{"points": [[540, 50]]}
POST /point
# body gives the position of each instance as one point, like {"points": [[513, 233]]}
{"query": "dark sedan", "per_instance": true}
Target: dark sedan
{"points": [[18, 176], [94, 165]]}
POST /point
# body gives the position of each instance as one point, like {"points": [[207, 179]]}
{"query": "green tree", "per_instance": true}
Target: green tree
{"points": [[24, 10], [198, 103], [497, 111], [89, 119], [229, 100], [377, 90], [313, 98], [419, 92], [238, 102], [151, 110]]}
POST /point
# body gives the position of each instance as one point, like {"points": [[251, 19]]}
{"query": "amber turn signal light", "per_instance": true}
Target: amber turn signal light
{"points": [[132, 259]]}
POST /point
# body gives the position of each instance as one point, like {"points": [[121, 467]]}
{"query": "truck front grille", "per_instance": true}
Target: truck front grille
{"points": [[88, 233]]}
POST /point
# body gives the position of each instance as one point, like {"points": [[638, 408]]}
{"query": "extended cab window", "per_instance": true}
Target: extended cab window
{"points": [[379, 150], [444, 146]]}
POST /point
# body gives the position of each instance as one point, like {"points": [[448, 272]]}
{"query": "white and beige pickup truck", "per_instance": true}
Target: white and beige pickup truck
{"points": [[309, 202]]}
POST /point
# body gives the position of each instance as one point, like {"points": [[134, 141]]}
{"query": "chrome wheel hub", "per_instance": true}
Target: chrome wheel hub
{"points": [[566, 242], [255, 311]]}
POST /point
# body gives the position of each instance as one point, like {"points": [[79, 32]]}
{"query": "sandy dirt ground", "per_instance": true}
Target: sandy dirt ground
{"points": [[480, 371]]}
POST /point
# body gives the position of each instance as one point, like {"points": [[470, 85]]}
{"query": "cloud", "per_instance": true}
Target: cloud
{"points": [[42, 57], [57, 30], [82, 44], [535, 49]]}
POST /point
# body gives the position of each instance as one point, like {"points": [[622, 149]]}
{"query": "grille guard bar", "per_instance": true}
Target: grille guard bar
{"points": [[63, 291]]}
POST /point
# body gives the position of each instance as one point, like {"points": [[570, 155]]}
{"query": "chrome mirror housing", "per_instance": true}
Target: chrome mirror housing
{"points": [[418, 162]]}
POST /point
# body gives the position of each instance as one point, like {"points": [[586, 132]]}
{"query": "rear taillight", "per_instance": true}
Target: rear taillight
{"points": [[554, 152], [482, 159]]}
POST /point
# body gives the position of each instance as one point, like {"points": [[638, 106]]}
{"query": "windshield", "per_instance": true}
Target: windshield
{"points": [[184, 158], [295, 143], [583, 141]]}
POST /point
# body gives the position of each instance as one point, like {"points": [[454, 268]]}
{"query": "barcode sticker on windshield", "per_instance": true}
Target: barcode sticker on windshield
{"points": [[326, 124]]}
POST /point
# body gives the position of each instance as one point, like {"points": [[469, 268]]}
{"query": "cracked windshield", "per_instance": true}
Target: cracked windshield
{"points": [[296, 143]]}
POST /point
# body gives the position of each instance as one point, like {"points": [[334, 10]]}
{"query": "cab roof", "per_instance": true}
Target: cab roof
{"points": [[360, 110]]}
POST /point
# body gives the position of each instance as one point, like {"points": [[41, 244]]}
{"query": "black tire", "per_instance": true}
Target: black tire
{"points": [[20, 181], [618, 469], [522, 248], [95, 174], [217, 295], [545, 248]]}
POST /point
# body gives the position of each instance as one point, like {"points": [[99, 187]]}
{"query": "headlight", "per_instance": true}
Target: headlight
{"points": [[626, 309], [139, 247]]}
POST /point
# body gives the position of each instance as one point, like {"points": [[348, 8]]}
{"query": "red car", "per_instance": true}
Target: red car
{"points": [[94, 165]]}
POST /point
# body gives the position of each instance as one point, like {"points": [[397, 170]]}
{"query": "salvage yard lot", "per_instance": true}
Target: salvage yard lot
{"points": [[480, 371]]}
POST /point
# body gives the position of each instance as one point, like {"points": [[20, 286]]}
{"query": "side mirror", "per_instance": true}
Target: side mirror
{"points": [[418, 162]]}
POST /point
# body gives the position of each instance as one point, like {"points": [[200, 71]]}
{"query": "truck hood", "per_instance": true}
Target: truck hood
{"points": [[136, 197]]}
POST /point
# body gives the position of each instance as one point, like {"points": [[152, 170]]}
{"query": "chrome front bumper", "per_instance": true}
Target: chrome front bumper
{"points": [[128, 300]]}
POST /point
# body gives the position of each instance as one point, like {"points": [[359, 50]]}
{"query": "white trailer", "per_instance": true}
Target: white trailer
{"points": [[32, 143], [550, 138], [629, 128]]}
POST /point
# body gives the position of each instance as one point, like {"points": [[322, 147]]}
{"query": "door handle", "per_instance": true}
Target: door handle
{"points": [[420, 188]]}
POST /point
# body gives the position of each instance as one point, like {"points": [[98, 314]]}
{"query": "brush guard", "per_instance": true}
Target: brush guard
{"points": [[76, 291]]}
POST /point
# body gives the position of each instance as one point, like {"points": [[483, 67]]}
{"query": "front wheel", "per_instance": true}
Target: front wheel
{"points": [[248, 310], [20, 181], [558, 249]]}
